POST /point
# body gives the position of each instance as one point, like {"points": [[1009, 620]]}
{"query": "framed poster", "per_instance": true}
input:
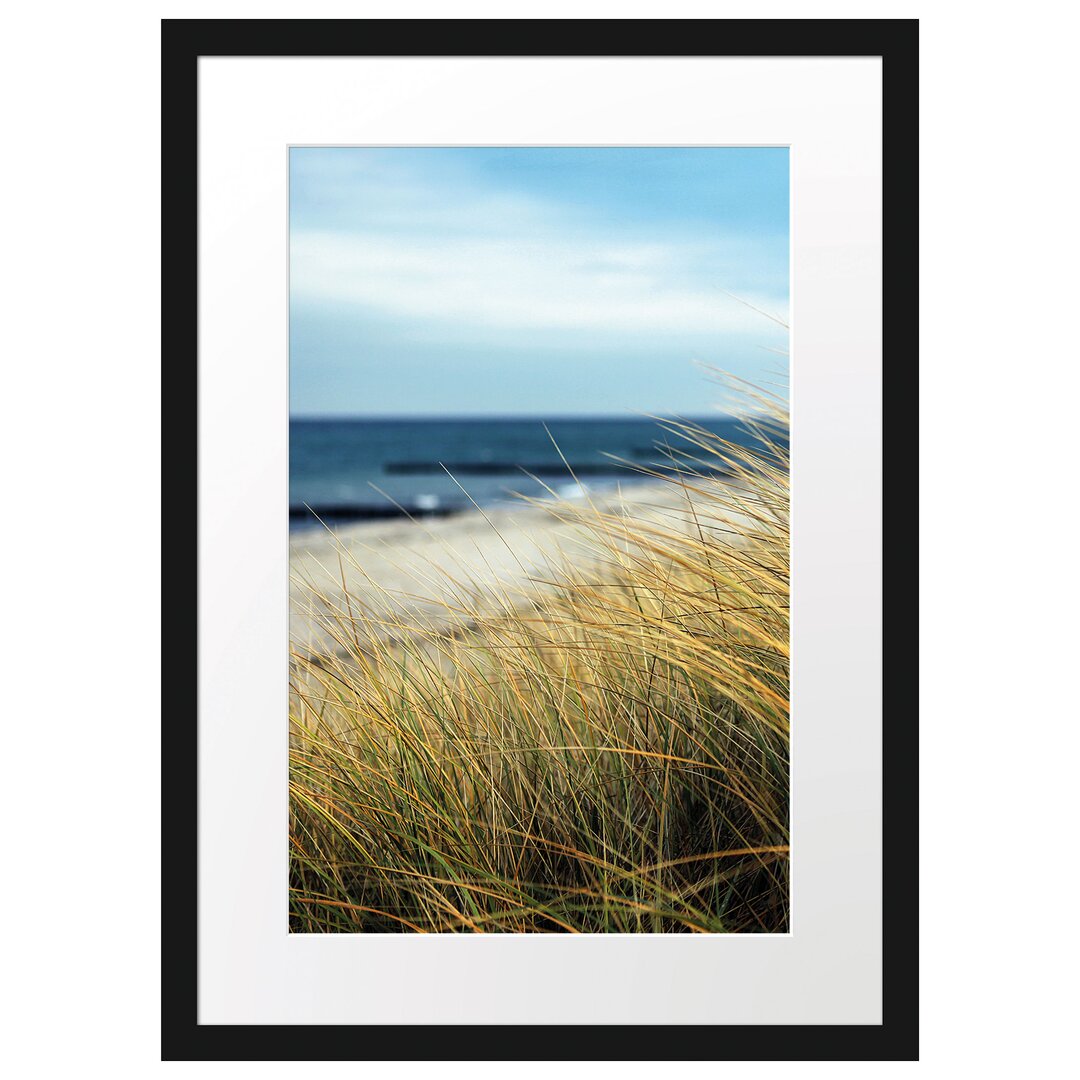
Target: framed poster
{"points": [[542, 679]]}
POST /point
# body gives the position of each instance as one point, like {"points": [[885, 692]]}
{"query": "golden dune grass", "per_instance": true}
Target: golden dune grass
{"points": [[605, 750]]}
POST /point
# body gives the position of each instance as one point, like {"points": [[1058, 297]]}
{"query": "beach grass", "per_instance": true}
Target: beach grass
{"points": [[605, 750]]}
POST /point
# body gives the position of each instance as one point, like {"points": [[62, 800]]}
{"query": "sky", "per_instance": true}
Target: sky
{"points": [[532, 281]]}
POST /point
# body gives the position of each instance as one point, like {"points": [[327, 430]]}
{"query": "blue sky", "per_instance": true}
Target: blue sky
{"points": [[532, 281]]}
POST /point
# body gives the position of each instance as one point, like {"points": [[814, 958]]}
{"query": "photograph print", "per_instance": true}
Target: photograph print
{"points": [[539, 540]]}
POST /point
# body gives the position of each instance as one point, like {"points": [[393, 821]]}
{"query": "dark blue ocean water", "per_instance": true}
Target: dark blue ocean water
{"points": [[360, 468]]}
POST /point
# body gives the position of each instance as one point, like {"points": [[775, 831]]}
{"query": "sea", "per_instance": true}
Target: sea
{"points": [[343, 470]]}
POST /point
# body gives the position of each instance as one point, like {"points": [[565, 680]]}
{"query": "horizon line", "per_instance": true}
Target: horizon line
{"points": [[510, 416]]}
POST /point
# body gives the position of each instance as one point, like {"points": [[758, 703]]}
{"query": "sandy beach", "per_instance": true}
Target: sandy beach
{"points": [[420, 571]]}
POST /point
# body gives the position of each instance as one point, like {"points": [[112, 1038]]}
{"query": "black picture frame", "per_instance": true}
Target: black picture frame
{"points": [[183, 42]]}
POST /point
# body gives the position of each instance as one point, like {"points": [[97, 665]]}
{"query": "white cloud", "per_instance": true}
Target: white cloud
{"points": [[528, 280], [451, 254]]}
